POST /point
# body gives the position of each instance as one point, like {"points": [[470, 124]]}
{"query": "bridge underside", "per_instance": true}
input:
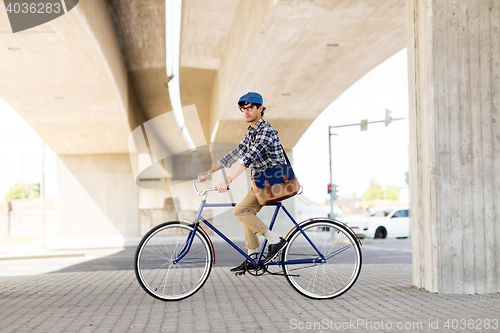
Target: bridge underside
{"points": [[99, 71]]}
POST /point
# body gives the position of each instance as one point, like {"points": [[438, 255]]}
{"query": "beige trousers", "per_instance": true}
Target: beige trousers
{"points": [[246, 211]]}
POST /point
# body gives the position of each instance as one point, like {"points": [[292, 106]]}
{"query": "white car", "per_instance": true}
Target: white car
{"points": [[393, 223]]}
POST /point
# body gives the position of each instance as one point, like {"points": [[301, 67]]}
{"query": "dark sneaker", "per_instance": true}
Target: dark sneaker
{"points": [[274, 249], [245, 266]]}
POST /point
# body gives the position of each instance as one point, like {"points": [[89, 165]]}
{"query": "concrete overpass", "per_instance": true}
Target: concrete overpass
{"points": [[87, 79]]}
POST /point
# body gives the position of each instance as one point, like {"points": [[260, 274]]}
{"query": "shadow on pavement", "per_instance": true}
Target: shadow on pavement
{"points": [[374, 252], [225, 255]]}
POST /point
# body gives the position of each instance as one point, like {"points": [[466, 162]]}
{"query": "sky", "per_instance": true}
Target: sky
{"points": [[21, 154], [380, 153]]}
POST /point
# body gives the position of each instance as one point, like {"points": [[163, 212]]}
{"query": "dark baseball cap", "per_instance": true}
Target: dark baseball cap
{"points": [[252, 97]]}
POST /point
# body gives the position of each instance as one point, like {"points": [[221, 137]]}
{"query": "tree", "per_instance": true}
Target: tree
{"points": [[374, 192], [16, 192], [377, 192]]}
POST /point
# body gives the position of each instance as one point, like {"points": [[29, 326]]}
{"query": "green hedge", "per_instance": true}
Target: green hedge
{"points": [[16, 192]]}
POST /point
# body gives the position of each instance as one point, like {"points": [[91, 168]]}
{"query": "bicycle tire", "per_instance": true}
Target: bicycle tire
{"points": [[154, 267], [329, 279]]}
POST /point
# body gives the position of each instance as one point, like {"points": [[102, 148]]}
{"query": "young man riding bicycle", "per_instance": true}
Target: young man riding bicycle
{"points": [[260, 150]]}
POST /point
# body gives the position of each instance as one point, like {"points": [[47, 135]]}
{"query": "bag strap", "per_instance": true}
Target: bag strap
{"points": [[284, 153], [286, 157]]}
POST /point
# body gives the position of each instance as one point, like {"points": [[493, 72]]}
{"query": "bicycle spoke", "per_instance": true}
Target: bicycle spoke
{"points": [[305, 267], [335, 275], [189, 276], [164, 280], [327, 277], [314, 277], [305, 277]]}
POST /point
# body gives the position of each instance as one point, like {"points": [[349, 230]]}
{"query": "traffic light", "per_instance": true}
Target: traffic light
{"points": [[388, 118], [334, 191], [364, 125]]}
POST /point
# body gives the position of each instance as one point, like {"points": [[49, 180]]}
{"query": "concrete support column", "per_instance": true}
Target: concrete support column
{"points": [[97, 201], [454, 84]]}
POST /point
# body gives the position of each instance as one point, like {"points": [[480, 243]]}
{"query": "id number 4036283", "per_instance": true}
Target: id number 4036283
{"points": [[38, 8], [471, 324]]}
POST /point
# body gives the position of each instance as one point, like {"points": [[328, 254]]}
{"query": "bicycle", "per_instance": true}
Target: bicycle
{"points": [[174, 259]]}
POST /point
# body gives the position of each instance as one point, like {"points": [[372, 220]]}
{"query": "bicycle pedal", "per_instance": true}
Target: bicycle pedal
{"points": [[239, 273]]}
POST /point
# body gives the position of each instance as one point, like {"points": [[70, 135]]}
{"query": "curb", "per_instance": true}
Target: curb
{"points": [[42, 256]]}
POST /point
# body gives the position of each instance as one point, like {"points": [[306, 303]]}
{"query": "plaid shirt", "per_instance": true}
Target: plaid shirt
{"points": [[260, 149]]}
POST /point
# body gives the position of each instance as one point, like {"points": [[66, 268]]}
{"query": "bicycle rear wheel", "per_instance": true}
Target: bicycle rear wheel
{"points": [[339, 271], [156, 270]]}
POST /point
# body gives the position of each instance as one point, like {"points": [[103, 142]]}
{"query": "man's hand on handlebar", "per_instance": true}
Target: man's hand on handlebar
{"points": [[222, 187], [203, 176]]}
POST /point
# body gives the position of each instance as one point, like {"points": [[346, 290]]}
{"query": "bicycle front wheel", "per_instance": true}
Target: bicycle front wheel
{"points": [[157, 270], [337, 273]]}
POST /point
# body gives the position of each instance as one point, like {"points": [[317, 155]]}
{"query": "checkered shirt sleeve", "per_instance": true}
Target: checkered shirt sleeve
{"points": [[227, 160]]}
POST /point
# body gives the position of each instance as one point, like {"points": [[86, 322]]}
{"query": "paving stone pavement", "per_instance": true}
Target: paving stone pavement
{"points": [[113, 301]]}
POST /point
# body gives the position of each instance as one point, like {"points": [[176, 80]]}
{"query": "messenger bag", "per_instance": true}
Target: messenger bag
{"points": [[275, 184]]}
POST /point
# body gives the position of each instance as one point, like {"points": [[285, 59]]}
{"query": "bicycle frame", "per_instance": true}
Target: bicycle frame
{"points": [[278, 205]]}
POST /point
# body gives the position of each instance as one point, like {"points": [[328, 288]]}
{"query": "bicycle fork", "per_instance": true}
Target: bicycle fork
{"points": [[187, 245]]}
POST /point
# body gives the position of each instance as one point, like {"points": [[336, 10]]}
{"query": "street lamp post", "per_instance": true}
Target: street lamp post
{"points": [[331, 177]]}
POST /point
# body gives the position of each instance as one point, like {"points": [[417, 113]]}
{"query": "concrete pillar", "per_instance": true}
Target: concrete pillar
{"points": [[97, 201], [454, 84]]}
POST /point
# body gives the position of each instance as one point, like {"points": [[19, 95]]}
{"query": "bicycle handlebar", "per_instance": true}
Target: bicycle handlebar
{"points": [[205, 191]]}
